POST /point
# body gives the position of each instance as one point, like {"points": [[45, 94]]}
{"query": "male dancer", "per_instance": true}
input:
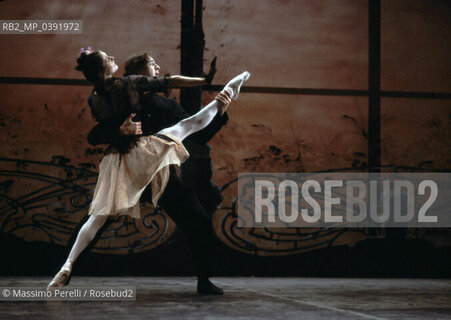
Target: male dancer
{"points": [[178, 200], [196, 173]]}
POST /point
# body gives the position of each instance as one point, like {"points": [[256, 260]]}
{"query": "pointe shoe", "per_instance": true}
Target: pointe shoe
{"points": [[61, 279], [235, 84]]}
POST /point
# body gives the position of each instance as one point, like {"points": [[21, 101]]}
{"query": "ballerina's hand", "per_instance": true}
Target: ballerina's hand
{"points": [[130, 127]]}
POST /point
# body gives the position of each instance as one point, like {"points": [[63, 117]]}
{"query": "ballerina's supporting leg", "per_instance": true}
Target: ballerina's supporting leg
{"points": [[84, 237], [202, 118]]}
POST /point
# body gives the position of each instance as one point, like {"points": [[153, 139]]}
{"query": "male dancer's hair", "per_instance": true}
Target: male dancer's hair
{"points": [[136, 63]]}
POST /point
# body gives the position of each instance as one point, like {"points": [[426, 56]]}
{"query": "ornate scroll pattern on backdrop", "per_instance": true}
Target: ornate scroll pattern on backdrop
{"points": [[42, 201], [45, 201], [265, 241]]}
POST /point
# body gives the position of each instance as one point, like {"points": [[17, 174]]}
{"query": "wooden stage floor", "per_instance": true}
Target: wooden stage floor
{"points": [[244, 298]]}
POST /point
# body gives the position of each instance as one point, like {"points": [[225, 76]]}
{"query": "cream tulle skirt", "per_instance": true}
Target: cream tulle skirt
{"points": [[123, 178]]}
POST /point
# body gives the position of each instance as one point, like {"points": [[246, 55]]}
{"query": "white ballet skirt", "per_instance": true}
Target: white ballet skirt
{"points": [[123, 178]]}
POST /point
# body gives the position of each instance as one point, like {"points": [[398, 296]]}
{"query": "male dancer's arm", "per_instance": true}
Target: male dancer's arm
{"points": [[105, 131], [182, 81], [177, 81]]}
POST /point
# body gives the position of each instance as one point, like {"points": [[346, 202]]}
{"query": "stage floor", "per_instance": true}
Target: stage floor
{"points": [[245, 298]]}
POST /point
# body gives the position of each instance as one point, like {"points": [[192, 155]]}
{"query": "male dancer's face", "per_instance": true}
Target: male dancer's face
{"points": [[152, 69]]}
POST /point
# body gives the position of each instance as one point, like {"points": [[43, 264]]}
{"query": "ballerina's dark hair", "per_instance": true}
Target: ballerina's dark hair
{"points": [[91, 65]]}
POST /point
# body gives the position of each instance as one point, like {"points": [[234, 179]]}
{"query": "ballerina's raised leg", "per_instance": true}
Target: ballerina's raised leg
{"points": [[201, 119]]}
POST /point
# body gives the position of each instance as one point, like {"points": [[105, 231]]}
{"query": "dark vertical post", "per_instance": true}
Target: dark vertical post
{"points": [[197, 171], [374, 75], [191, 52]]}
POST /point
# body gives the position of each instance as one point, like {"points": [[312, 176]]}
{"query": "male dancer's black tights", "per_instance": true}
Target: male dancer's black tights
{"points": [[181, 204]]}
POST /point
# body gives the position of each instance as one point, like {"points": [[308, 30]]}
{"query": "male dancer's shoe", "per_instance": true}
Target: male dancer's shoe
{"points": [[204, 287]]}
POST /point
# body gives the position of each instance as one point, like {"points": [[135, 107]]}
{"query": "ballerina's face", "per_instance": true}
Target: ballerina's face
{"points": [[109, 64]]}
